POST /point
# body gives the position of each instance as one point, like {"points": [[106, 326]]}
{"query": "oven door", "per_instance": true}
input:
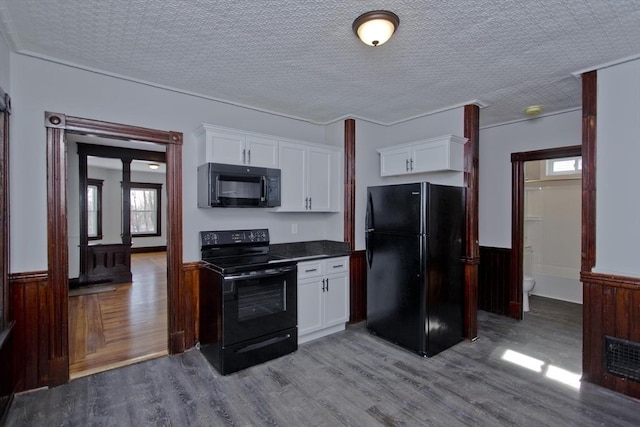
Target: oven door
{"points": [[259, 303]]}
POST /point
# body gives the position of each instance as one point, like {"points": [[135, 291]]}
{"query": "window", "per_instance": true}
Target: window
{"points": [[94, 209], [145, 209], [564, 166]]}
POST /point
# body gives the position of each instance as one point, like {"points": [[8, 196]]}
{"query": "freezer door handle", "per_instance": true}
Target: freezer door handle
{"points": [[369, 215]]}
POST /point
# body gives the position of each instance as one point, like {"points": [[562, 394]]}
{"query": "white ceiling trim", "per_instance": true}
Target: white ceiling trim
{"points": [[158, 86], [578, 74], [197, 95], [430, 113], [526, 119]]}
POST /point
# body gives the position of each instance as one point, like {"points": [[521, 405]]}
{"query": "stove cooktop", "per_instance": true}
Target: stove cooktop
{"points": [[233, 251]]}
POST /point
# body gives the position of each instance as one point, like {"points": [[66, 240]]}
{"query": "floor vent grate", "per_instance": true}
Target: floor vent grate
{"points": [[623, 358]]}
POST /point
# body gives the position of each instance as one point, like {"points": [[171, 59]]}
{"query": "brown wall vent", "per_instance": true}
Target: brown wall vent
{"points": [[623, 358]]}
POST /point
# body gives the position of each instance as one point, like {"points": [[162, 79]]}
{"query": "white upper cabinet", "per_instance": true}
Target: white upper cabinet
{"points": [[220, 145], [429, 155], [311, 177]]}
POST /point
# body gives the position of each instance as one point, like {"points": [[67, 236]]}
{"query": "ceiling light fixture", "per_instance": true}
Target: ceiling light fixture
{"points": [[376, 27], [153, 166], [533, 110]]}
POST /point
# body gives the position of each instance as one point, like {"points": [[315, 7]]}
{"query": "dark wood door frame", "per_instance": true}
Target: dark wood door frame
{"points": [[517, 216], [57, 126]]}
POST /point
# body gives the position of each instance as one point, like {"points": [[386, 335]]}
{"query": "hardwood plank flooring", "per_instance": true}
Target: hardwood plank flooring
{"points": [[124, 326], [351, 378]]}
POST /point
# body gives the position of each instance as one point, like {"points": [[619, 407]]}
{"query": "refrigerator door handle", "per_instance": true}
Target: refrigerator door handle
{"points": [[369, 215], [368, 248]]}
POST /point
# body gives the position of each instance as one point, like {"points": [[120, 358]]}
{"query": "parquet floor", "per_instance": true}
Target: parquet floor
{"points": [[117, 328]]}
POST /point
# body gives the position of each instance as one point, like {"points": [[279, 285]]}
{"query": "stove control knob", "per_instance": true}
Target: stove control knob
{"points": [[251, 236]]}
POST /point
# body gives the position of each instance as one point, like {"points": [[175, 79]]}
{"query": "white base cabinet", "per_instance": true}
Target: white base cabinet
{"points": [[323, 297]]}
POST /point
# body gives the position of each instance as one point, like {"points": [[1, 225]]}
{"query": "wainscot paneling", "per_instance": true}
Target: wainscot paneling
{"points": [[358, 286], [493, 280], [29, 295], [611, 307], [190, 302], [7, 376]]}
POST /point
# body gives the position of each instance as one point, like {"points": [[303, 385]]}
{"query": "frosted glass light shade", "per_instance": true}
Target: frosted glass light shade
{"points": [[376, 27]]}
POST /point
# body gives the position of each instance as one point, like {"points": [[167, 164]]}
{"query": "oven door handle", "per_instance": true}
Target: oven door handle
{"points": [[262, 344], [263, 273]]}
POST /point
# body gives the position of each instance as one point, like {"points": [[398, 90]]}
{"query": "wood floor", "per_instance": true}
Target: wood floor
{"points": [[124, 326], [353, 378]]}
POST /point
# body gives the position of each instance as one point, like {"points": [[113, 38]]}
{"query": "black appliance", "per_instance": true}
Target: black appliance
{"points": [[222, 185], [248, 300], [415, 248]]}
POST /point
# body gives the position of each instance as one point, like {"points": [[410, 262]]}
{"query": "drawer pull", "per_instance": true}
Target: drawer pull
{"points": [[338, 266], [310, 270]]}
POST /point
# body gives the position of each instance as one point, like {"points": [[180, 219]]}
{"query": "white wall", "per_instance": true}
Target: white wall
{"points": [[552, 227], [5, 58], [39, 86], [617, 173], [370, 137], [496, 145]]}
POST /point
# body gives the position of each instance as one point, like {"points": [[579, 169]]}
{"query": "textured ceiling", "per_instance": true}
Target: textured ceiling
{"points": [[301, 59]]}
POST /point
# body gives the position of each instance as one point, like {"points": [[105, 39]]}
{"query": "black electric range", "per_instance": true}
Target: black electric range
{"points": [[248, 300]]}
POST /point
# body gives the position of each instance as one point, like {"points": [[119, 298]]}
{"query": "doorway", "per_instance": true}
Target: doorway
{"points": [[117, 253], [518, 214], [59, 127]]}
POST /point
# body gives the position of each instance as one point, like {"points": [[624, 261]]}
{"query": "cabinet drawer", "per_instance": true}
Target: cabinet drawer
{"points": [[337, 265], [310, 269]]}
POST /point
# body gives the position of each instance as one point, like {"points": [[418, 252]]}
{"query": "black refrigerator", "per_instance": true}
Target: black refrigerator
{"points": [[415, 249]]}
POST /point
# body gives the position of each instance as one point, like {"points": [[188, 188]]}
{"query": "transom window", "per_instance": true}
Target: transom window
{"points": [[564, 166], [145, 209]]}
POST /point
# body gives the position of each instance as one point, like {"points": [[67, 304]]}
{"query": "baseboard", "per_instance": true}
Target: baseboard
{"points": [[148, 249]]}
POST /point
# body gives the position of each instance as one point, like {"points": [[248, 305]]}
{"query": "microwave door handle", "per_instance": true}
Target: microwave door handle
{"points": [[217, 195], [264, 189]]}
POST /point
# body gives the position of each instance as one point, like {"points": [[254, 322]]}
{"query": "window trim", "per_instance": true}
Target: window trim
{"points": [[158, 189], [97, 183]]}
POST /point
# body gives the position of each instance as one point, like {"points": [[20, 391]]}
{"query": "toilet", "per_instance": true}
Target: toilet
{"points": [[527, 280]]}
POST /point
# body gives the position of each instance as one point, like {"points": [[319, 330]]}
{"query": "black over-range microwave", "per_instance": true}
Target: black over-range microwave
{"points": [[223, 185]]}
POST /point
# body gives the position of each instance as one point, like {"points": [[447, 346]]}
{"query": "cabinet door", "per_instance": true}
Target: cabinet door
{"points": [[336, 300], [319, 179], [430, 157], [309, 305], [293, 179], [394, 162], [226, 148], [261, 152]]}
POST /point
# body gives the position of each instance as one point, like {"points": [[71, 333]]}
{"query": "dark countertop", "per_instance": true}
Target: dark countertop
{"points": [[310, 250]]}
